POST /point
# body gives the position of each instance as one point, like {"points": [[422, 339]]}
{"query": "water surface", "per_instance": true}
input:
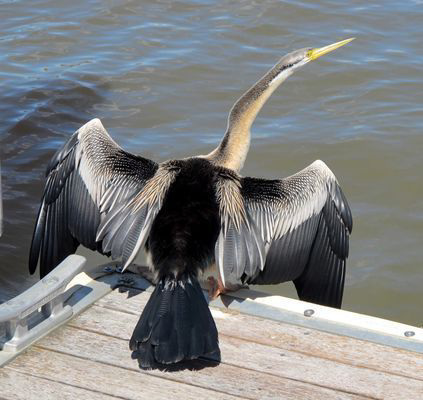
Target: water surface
{"points": [[162, 77]]}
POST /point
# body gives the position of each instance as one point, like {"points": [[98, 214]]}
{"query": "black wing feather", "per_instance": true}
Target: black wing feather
{"points": [[78, 175], [303, 222]]}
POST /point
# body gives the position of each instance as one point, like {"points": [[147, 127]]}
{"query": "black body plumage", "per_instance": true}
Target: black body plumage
{"points": [[184, 233], [176, 323]]}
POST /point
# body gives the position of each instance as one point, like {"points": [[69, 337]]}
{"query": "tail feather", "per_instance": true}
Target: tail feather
{"points": [[176, 325]]}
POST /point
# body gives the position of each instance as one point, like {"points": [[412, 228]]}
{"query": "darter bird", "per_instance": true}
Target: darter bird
{"points": [[192, 214]]}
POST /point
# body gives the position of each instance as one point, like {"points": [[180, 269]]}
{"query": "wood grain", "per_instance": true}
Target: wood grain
{"points": [[307, 341], [15, 385], [268, 359], [114, 381], [227, 379]]}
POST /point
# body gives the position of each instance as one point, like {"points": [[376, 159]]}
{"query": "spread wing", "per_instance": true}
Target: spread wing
{"points": [[295, 229], [89, 180]]}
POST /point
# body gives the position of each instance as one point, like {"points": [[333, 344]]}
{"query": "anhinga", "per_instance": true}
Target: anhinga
{"points": [[194, 213]]}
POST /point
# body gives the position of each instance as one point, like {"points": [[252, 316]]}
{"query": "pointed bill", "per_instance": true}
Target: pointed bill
{"points": [[314, 54]]}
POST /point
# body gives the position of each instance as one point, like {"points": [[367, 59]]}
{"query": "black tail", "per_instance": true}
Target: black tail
{"points": [[176, 325]]}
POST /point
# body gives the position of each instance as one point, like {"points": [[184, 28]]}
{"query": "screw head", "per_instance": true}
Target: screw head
{"points": [[308, 313], [126, 281], [108, 269], [409, 333]]}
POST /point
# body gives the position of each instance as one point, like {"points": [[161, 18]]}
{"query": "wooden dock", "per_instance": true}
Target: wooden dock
{"points": [[262, 358]]}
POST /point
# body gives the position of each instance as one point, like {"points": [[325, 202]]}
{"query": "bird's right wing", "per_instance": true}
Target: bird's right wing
{"points": [[90, 181], [295, 228]]}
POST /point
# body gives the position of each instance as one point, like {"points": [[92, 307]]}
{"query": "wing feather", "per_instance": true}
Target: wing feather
{"points": [[89, 178], [295, 229], [126, 230]]}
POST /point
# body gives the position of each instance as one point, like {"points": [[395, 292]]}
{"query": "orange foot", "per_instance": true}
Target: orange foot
{"points": [[216, 287]]}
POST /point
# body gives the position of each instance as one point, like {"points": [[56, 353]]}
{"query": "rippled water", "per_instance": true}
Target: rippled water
{"points": [[162, 77]]}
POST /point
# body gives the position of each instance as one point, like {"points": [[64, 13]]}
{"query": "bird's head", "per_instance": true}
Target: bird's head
{"points": [[298, 58]]}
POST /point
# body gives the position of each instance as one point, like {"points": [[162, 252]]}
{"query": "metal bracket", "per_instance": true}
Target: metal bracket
{"points": [[39, 309], [63, 294]]}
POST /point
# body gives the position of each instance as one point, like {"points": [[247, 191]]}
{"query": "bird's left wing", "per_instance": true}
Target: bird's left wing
{"points": [[92, 184], [295, 229]]}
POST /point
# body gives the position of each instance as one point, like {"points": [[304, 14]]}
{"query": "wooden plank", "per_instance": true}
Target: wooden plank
{"points": [[16, 385], [227, 379], [268, 359], [104, 378], [342, 349]]}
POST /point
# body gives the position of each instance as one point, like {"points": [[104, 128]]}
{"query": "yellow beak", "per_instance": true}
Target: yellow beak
{"points": [[314, 54]]}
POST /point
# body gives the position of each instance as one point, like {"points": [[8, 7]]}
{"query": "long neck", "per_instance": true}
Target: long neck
{"points": [[232, 151]]}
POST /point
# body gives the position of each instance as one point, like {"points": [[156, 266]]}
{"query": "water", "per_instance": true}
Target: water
{"points": [[162, 77]]}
